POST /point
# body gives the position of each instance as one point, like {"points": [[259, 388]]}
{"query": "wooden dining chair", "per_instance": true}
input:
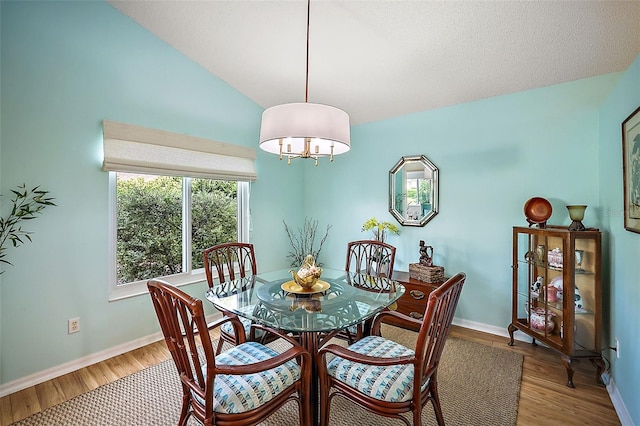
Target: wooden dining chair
{"points": [[241, 386], [230, 261], [385, 377], [366, 258], [370, 257]]}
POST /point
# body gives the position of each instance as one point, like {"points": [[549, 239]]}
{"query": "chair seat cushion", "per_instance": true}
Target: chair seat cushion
{"points": [[227, 327], [391, 383], [241, 393]]}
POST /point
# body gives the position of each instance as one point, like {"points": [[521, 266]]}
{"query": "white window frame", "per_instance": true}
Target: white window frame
{"points": [[189, 276]]}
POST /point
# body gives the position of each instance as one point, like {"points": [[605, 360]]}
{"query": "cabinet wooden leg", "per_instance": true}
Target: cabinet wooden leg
{"points": [[600, 368], [568, 365], [511, 330]]}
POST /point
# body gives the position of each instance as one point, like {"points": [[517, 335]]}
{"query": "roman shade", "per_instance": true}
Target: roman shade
{"points": [[129, 148]]}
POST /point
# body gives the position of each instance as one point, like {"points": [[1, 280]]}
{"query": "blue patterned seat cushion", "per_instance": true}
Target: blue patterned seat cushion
{"points": [[392, 383], [227, 327], [240, 393]]}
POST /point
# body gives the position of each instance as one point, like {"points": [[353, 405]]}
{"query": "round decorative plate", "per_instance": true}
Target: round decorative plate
{"points": [[537, 210], [292, 287]]}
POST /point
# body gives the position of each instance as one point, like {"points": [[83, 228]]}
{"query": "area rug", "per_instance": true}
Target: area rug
{"points": [[479, 385]]}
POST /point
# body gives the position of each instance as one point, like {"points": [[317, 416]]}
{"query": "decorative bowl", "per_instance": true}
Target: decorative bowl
{"points": [[538, 321], [537, 210], [308, 274]]}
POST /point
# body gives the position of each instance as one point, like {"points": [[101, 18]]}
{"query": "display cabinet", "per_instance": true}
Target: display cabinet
{"points": [[557, 292]]}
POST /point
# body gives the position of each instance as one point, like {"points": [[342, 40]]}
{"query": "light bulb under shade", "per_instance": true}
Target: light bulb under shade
{"points": [[324, 124]]}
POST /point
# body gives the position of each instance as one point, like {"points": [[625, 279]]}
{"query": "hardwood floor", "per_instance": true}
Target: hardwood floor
{"points": [[544, 396]]}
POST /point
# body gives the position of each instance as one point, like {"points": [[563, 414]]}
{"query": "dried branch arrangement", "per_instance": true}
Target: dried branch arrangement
{"points": [[304, 240]]}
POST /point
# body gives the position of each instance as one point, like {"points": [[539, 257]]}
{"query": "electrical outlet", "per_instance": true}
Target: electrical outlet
{"points": [[74, 325], [617, 348]]}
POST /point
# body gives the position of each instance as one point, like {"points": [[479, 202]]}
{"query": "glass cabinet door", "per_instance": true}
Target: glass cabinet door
{"points": [[586, 298], [546, 316]]}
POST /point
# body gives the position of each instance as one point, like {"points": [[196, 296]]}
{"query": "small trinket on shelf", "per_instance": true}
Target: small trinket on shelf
{"points": [[552, 293], [536, 286], [425, 270], [554, 257], [540, 254], [426, 254]]}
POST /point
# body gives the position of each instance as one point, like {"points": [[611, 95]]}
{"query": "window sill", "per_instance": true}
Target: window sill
{"points": [[125, 291]]}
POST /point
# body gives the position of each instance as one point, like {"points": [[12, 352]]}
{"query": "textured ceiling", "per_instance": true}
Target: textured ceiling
{"points": [[381, 59]]}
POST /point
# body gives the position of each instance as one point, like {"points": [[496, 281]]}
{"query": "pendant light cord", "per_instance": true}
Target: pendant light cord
{"points": [[306, 84]]}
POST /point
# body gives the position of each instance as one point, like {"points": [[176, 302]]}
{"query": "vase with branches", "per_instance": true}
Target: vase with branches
{"points": [[26, 204], [303, 241]]}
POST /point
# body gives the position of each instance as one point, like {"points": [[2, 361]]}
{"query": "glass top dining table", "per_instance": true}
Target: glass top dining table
{"points": [[337, 301], [340, 299]]}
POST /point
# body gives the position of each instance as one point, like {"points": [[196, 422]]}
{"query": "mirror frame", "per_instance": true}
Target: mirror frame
{"points": [[427, 164]]}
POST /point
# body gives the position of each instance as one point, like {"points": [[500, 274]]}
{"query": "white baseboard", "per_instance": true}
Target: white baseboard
{"points": [[491, 329], [85, 361], [618, 404], [76, 364]]}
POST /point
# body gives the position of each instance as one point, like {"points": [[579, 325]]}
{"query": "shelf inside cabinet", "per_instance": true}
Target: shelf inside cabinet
{"points": [[553, 268], [554, 335]]}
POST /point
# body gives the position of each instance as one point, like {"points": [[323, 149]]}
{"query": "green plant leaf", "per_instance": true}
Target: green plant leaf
{"points": [[25, 205]]}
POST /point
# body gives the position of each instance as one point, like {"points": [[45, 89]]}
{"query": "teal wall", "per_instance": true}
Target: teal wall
{"points": [[66, 66], [623, 247], [492, 155]]}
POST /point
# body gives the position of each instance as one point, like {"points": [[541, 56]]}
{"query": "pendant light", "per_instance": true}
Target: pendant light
{"points": [[305, 130]]}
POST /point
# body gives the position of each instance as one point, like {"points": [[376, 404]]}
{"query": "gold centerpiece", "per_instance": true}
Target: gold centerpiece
{"points": [[308, 274]]}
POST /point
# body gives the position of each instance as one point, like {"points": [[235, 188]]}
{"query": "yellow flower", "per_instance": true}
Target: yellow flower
{"points": [[379, 228]]}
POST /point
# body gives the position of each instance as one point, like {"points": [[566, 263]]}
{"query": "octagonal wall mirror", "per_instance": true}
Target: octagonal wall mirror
{"points": [[413, 190]]}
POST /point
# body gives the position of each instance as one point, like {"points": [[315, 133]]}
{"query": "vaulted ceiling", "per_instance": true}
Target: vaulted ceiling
{"points": [[379, 59]]}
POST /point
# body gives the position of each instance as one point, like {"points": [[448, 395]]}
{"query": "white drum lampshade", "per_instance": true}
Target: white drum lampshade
{"points": [[292, 124]]}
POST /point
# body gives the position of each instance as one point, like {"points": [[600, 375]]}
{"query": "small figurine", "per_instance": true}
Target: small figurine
{"points": [[578, 300], [536, 287], [426, 254]]}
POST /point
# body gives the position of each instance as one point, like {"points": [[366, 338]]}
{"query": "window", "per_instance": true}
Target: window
{"points": [[171, 196], [418, 191], [161, 225]]}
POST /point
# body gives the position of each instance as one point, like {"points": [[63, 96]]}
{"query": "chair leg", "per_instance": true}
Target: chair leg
{"points": [[324, 388], [363, 330], [305, 413], [325, 409], [350, 338], [435, 399], [417, 415], [184, 413]]}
